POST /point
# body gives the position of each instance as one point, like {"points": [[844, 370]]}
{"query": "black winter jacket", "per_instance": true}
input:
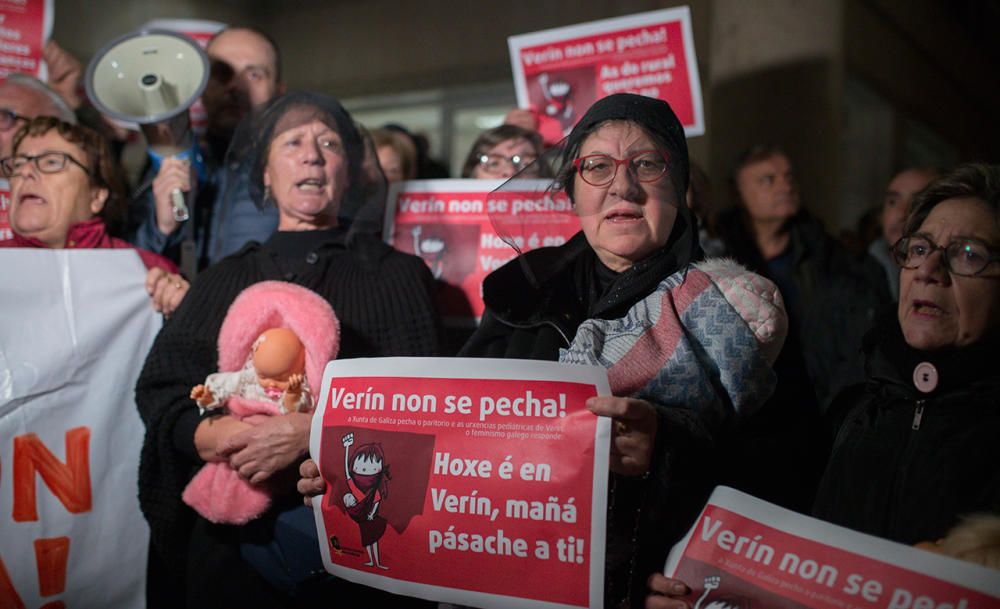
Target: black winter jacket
{"points": [[906, 465]]}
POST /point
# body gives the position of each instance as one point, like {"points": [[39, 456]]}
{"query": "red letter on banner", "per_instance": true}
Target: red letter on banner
{"points": [[69, 482]]}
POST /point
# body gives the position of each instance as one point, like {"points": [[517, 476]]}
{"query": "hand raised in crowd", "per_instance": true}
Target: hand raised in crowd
{"points": [[167, 290], [310, 483], [666, 593], [520, 117], [174, 174], [64, 73], [270, 445], [633, 432]]}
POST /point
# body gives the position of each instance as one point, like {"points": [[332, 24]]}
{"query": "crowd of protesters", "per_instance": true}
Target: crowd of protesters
{"points": [[292, 190]]}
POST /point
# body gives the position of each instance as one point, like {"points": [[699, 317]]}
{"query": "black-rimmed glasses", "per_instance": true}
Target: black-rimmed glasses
{"points": [[47, 162], [601, 169], [9, 118], [965, 257]]}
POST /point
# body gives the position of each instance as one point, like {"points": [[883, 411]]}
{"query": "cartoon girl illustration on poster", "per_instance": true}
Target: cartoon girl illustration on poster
{"points": [[368, 482]]}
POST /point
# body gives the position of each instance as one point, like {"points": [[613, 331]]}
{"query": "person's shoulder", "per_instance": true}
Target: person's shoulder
{"points": [[544, 263], [372, 251]]}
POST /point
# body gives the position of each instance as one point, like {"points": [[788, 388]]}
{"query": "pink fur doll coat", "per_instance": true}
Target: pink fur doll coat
{"points": [[217, 492]]}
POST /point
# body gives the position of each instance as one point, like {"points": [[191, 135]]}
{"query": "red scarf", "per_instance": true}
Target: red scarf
{"points": [[93, 234]]}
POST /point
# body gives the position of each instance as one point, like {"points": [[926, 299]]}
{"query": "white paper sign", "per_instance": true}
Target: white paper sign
{"points": [[481, 482], [74, 332]]}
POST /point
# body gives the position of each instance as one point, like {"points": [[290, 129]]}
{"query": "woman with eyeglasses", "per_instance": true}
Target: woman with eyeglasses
{"points": [[918, 447], [688, 345], [501, 152], [917, 443], [65, 194], [630, 278]]}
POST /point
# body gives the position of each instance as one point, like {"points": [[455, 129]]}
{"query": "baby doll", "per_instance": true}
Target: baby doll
{"points": [[274, 372], [274, 343]]}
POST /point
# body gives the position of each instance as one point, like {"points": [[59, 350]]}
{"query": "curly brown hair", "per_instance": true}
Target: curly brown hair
{"points": [[103, 171]]}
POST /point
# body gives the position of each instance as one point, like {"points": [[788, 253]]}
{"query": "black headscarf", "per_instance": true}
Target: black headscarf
{"points": [[657, 119], [600, 295]]}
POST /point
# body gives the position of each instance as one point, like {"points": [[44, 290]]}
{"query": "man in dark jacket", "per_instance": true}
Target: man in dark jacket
{"points": [[831, 300], [245, 75]]}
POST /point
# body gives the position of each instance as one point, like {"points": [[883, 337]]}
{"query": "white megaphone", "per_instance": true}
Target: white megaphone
{"points": [[151, 77]]}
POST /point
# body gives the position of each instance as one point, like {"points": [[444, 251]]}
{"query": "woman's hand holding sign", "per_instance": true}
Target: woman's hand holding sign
{"points": [[634, 432], [310, 482], [666, 593]]}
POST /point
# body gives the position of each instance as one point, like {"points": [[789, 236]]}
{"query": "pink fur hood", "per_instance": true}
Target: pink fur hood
{"points": [[276, 304]]}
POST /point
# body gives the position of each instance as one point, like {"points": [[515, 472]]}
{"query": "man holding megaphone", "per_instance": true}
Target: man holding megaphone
{"points": [[244, 74]]}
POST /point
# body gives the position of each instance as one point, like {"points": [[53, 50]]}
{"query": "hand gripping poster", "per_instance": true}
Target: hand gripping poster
{"points": [[746, 553], [450, 224], [561, 72], [479, 482]]}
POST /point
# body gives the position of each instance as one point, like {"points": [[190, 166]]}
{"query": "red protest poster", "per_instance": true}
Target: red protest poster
{"points": [[25, 25], [559, 73], [744, 552], [477, 482], [450, 224]]}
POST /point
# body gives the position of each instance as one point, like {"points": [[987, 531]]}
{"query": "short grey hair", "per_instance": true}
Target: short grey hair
{"points": [[63, 111]]}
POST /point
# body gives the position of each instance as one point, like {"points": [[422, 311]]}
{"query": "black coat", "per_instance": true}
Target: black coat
{"points": [[837, 298], [384, 302], [905, 464], [533, 320]]}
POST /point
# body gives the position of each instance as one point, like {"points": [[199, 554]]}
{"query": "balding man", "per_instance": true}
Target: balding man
{"points": [[895, 205], [245, 75], [22, 98]]}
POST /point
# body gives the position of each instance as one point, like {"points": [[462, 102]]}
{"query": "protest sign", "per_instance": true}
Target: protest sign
{"points": [[25, 25], [450, 224], [479, 482], [75, 331], [559, 73], [744, 552]]}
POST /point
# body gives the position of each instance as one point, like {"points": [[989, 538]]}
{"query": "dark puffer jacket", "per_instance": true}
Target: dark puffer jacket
{"points": [[906, 464]]}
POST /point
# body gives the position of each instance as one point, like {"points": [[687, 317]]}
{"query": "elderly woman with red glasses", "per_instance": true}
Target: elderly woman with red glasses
{"points": [[65, 194], [630, 292], [688, 344]]}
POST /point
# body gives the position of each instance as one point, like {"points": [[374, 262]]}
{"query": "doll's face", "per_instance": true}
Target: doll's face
{"points": [[365, 467], [278, 354]]}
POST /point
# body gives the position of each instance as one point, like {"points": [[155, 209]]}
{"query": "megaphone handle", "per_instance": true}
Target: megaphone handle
{"points": [[180, 207]]}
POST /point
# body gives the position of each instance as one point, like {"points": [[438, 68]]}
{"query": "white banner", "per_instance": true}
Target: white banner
{"points": [[75, 329]]}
